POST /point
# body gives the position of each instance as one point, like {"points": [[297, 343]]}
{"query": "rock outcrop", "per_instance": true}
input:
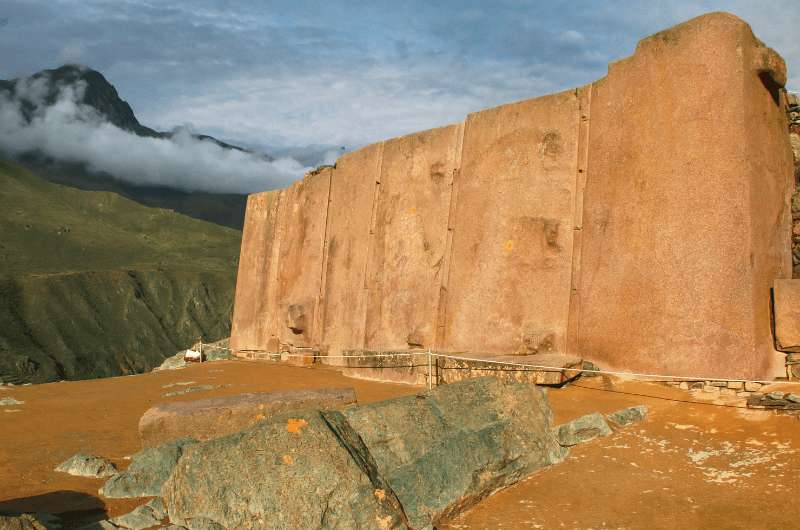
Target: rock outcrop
{"points": [[442, 452], [286, 472], [204, 419], [402, 463]]}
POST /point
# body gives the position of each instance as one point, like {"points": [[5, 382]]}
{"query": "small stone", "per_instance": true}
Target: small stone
{"points": [[7, 402], [775, 395], [583, 429], [81, 465], [711, 389], [727, 392], [191, 390], [625, 417], [743, 393], [684, 385], [751, 386], [794, 398], [697, 385], [720, 384], [736, 385]]}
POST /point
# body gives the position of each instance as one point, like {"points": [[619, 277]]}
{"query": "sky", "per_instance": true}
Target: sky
{"points": [[302, 77]]}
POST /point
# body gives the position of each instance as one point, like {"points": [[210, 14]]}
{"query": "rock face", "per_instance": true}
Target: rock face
{"points": [[583, 429], [286, 472], [82, 465], [549, 225], [369, 466], [23, 522], [145, 516], [442, 452], [147, 472], [205, 419]]}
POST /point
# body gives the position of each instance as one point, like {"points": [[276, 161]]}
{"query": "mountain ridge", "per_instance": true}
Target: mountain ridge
{"points": [[226, 209]]}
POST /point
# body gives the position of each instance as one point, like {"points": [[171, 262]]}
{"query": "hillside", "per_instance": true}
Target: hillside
{"points": [[93, 284]]}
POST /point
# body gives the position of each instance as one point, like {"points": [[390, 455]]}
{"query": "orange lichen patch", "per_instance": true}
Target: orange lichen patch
{"points": [[288, 460], [384, 523], [509, 246], [380, 494], [293, 426]]}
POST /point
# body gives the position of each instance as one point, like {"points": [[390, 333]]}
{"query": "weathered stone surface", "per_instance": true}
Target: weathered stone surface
{"points": [[786, 300], [145, 516], [443, 451], [628, 416], [552, 224], [209, 418], [583, 429], [408, 243], [286, 472], [147, 472], [660, 248], [8, 401], [29, 521], [82, 465], [510, 273], [100, 525]]}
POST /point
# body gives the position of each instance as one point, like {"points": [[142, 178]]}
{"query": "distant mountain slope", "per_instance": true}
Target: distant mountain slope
{"points": [[220, 208], [93, 284]]}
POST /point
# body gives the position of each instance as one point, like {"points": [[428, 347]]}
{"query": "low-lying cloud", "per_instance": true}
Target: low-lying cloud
{"points": [[68, 130]]}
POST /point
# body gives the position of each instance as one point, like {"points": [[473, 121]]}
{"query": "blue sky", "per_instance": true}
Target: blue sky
{"points": [[283, 75]]}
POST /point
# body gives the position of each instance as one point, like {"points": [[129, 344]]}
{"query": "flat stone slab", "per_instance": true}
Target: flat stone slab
{"points": [[81, 465], [786, 300], [205, 419]]}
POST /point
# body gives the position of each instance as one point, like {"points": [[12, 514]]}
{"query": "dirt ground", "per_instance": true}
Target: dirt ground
{"points": [[692, 463]]}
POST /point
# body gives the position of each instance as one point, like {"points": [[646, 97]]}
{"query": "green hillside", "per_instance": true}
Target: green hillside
{"points": [[93, 284]]}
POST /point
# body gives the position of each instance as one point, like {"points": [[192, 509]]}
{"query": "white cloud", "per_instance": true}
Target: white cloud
{"points": [[571, 36], [73, 132], [362, 105]]}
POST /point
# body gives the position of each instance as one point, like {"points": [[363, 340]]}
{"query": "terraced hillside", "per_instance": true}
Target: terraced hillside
{"points": [[93, 284]]}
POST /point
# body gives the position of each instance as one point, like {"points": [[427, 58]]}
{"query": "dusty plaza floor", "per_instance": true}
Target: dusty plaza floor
{"points": [[688, 465]]}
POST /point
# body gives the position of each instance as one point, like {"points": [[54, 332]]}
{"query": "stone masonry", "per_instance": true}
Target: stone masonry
{"points": [[578, 223]]}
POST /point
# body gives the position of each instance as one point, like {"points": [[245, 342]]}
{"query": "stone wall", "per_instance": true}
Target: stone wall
{"points": [[617, 221], [793, 111]]}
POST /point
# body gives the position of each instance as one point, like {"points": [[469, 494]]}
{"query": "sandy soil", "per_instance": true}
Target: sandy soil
{"points": [[692, 463]]}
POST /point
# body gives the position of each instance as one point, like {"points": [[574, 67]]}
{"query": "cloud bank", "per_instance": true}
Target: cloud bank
{"points": [[69, 131]]}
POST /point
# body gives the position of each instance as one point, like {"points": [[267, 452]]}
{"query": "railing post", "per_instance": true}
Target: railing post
{"points": [[430, 372]]}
